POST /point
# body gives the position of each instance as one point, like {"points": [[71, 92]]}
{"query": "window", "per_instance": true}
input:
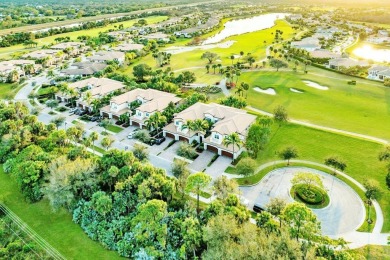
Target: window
{"points": [[177, 123], [139, 113], [216, 136], [147, 114]]}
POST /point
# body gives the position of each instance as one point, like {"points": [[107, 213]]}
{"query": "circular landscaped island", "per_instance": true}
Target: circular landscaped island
{"points": [[336, 205], [314, 197]]}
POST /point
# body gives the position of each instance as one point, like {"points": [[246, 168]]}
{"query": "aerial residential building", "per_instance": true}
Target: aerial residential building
{"points": [[225, 121], [324, 54], [336, 64], [51, 56], [308, 44], [83, 69], [97, 89], [157, 36], [105, 56], [120, 35], [8, 66], [378, 72], [149, 101], [127, 47], [71, 48]]}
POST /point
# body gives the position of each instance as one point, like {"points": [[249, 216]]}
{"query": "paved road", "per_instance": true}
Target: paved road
{"points": [[344, 214]]}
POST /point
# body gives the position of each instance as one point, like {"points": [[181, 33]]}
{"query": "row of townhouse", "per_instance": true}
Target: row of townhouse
{"points": [[6, 67], [224, 120]]}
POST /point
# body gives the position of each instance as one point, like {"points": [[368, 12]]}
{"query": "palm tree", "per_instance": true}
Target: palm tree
{"points": [[155, 121], [232, 139], [197, 125], [214, 66], [239, 90], [93, 136], [232, 58], [244, 86], [208, 68]]}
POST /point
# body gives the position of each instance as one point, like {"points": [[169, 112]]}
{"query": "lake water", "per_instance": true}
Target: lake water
{"points": [[247, 25], [369, 53]]}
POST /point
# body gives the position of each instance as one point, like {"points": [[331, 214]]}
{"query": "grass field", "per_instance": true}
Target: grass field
{"points": [[56, 228], [114, 128], [314, 145], [6, 52], [8, 90], [373, 252], [364, 108], [249, 43]]}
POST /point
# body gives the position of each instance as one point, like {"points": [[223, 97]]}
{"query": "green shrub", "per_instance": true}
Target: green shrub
{"points": [[187, 151], [246, 166], [143, 136]]}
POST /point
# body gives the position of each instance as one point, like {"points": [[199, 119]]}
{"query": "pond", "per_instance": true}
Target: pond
{"points": [[237, 27], [369, 53]]}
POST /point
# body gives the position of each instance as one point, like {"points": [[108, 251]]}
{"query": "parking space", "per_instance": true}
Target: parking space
{"points": [[218, 167], [156, 149], [202, 161], [170, 153]]}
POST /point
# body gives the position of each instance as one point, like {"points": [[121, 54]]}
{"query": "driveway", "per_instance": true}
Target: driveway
{"points": [[344, 214], [219, 166], [202, 161]]}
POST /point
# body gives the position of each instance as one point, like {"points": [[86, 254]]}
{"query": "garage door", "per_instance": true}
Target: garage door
{"points": [[135, 123], [181, 138], [170, 135], [227, 154], [212, 148]]}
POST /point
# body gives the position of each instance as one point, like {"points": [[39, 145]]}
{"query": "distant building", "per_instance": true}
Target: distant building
{"points": [[83, 69], [324, 54], [104, 56], [336, 64], [307, 44], [150, 101], [126, 47], [378, 72]]}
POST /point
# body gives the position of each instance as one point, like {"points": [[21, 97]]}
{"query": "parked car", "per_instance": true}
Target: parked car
{"points": [[132, 134], [83, 112], [94, 118], [258, 208], [73, 110], [160, 140]]}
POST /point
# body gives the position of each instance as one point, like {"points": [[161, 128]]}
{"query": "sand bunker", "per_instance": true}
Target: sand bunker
{"points": [[315, 85], [268, 91], [296, 90]]}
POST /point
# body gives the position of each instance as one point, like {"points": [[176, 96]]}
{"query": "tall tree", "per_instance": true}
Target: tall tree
{"points": [[195, 183], [210, 56], [302, 221], [288, 153], [277, 64], [223, 187], [280, 115], [336, 163]]}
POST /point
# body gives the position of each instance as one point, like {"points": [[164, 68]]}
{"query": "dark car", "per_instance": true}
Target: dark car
{"points": [[160, 140], [258, 208], [77, 111], [82, 112], [94, 118]]}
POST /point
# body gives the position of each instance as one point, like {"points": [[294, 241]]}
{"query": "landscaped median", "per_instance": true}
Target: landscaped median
{"points": [[257, 177]]}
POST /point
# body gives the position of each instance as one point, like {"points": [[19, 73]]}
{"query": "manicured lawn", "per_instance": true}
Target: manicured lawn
{"points": [[114, 128], [249, 42], [8, 90], [364, 108], [56, 228], [373, 252], [314, 145]]}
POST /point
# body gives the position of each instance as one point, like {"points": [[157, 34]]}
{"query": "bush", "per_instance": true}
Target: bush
{"points": [[246, 166], [140, 152], [179, 167], [143, 136], [187, 151], [387, 82], [313, 196]]}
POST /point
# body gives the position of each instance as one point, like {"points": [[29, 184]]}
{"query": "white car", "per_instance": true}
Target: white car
{"points": [[132, 134]]}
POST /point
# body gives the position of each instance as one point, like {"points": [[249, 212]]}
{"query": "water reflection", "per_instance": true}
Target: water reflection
{"points": [[241, 26], [369, 53]]}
